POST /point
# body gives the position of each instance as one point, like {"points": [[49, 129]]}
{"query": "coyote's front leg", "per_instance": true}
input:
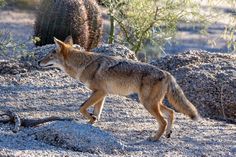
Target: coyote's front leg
{"points": [[93, 99]]}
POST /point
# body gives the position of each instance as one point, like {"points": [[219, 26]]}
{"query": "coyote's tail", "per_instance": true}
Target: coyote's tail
{"points": [[176, 97]]}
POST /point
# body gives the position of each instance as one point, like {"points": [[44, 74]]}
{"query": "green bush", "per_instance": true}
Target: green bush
{"points": [[148, 22], [2, 2]]}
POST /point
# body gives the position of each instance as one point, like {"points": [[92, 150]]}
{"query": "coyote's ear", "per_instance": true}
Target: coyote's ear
{"points": [[59, 43], [69, 40]]}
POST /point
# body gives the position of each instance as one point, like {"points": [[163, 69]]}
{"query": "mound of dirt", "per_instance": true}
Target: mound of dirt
{"points": [[115, 50], [208, 80], [79, 137]]}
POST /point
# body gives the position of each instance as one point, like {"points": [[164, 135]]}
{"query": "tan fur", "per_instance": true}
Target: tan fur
{"points": [[109, 75]]}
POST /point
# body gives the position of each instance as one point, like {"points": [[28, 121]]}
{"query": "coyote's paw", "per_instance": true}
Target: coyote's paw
{"points": [[168, 134], [153, 138], [93, 119]]}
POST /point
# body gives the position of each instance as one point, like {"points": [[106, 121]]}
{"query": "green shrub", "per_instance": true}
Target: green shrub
{"points": [[149, 22], [2, 2]]}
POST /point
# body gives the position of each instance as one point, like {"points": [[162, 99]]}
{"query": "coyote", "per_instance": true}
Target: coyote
{"points": [[111, 75]]}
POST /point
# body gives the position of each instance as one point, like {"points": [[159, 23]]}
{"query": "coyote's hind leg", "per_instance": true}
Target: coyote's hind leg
{"points": [[154, 109]]}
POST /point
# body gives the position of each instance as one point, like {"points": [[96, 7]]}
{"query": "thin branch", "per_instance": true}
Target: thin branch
{"points": [[21, 122], [137, 47], [122, 26], [35, 122]]}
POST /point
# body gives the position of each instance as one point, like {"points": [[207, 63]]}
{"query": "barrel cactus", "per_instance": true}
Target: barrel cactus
{"points": [[60, 18]]}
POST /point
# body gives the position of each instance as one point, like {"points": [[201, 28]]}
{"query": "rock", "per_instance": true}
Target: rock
{"points": [[207, 79], [79, 137]]}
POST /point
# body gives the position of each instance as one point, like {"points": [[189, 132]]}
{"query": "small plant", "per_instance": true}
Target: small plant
{"points": [[5, 42], [9, 48], [229, 36], [60, 18], [2, 3], [226, 15], [230, 30]]}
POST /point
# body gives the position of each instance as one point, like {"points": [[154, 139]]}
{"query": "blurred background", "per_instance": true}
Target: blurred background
{"points": [[145, 26]]}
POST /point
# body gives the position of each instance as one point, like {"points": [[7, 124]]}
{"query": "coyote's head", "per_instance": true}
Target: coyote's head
{"points": [[56, 57]]}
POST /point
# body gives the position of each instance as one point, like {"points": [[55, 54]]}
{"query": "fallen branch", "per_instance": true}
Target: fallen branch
{"points": [[21, 122]]}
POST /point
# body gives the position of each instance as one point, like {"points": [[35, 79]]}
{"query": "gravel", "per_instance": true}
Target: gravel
{"points": [[124, 122], [11, 67]]}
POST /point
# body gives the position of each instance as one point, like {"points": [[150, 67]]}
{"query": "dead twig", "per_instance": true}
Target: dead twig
{"points": [[21, 122], [35, 122]]}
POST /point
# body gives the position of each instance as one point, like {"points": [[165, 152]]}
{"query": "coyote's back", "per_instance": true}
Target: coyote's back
{"points": [[110, 75]]}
